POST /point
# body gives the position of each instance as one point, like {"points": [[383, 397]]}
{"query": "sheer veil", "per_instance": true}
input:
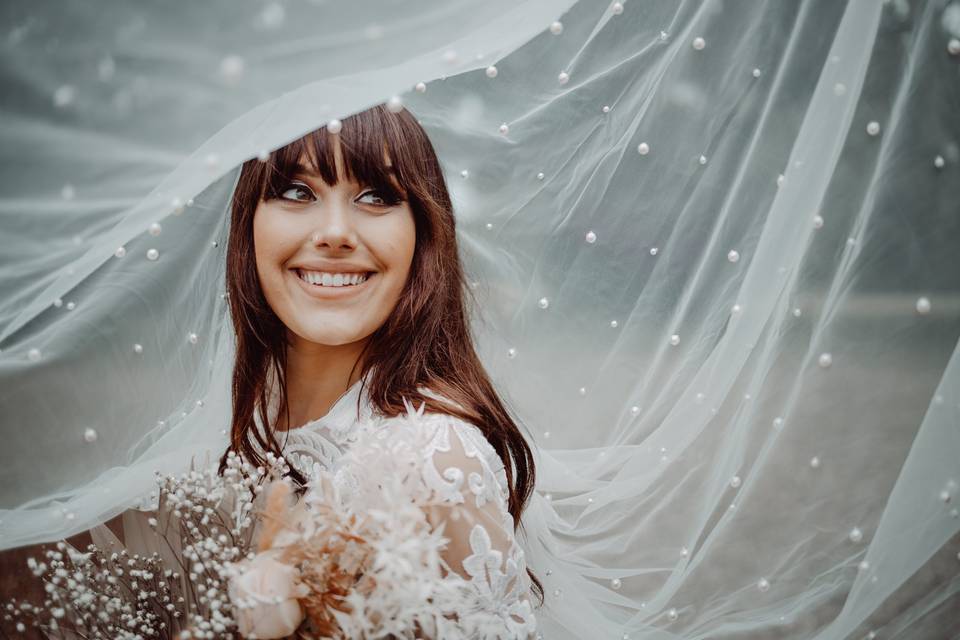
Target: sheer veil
{"points": [[713, 247]]}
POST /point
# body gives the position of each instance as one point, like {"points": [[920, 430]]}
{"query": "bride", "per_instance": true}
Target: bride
{"points": [[345, 284]]}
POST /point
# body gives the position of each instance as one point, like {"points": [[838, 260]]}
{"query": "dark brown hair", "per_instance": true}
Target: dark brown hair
{"points": [[426, 340]]}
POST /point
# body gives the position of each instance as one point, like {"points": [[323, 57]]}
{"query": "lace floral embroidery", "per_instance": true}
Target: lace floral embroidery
{"points": [[473, 483]]}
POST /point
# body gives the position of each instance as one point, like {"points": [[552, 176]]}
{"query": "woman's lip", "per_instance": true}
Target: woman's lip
{"points": [[318, 291]]}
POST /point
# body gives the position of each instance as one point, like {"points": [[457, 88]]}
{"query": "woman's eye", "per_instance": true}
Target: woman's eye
{"points": [[376, 199], [297, 193]]}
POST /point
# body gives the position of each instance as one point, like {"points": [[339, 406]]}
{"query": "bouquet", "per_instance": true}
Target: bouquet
{"points": [[350, 555]]}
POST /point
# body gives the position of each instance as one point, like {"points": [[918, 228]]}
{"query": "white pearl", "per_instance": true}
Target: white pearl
{"points": [[155, 229], [606, 109], [68, 192], [33, 354], [557, 593], [106, 68], [546, 434], [814, 462], [825, 360], [953, 47], [556, 28], [64, 95], [643, 148], [394, 104], [449, 56], [177, 205], [489, 226], [736, 308], [192, 338], [863, 566], [672, 614], [763, 584], [778, 423], [664, 35], [563, 77], [873, 128], [511, 353], [231, 67], [615, 583], [334, 126], [263, 155], [675, 339], [781, 179], [212, 160], [635, 410], [703, 159], [923, 305], [617, 8], [701, 397], [684, 552], [71, 306], [756, 73], [735, 482], [58, 303], [420, 87], [839, 89], [138, 348], [733, 255], [90, 435], [614, 324], [817, 222], [540, 176], [464, 174], [491, 71], [856, 535], [214, 244], [945, 496], [582, 391], [938, 162], [591, 237], [543, 303], [654, 251], [120, 252], [504, 128], [797, 312], [152, 254], [699, 43]]}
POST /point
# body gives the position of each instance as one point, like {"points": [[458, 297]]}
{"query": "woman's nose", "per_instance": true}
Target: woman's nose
{"points": [[334, 229]]}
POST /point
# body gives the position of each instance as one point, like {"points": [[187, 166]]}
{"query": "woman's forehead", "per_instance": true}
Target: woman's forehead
{"points": [[306, 163]]}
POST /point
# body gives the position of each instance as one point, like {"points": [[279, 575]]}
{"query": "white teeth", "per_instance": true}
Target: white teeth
{"points": [[325, 279]]}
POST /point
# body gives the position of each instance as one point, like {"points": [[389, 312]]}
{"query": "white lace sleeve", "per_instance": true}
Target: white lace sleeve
{"points": [[465, 470]]}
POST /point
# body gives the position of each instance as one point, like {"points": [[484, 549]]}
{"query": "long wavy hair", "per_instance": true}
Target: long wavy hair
{"points": [[426, 340]]}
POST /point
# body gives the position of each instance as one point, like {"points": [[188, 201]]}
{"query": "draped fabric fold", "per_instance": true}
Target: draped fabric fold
{"points": [[712, 248]]}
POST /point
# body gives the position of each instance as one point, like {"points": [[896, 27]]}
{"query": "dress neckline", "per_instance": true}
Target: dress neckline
{"points": [[342, 415], [338, 416]]}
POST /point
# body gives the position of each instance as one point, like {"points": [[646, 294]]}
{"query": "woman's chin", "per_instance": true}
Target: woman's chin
{"points": [[331, 338]]}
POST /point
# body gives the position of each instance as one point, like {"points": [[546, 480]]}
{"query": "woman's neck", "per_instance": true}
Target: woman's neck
{"points": [[317, 375]]}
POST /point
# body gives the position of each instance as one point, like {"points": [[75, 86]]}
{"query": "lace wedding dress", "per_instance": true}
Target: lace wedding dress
{"points": [[462, 468]]}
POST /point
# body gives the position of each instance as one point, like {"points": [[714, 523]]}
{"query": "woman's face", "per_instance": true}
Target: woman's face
{"points": [[333, 260]]}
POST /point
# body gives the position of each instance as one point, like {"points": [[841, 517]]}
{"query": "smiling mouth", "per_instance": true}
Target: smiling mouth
{"points": [[324, 280]]}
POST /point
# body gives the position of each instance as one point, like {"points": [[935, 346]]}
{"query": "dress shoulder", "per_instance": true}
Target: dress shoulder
{"points": [[463, 470], [471, 441]]}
